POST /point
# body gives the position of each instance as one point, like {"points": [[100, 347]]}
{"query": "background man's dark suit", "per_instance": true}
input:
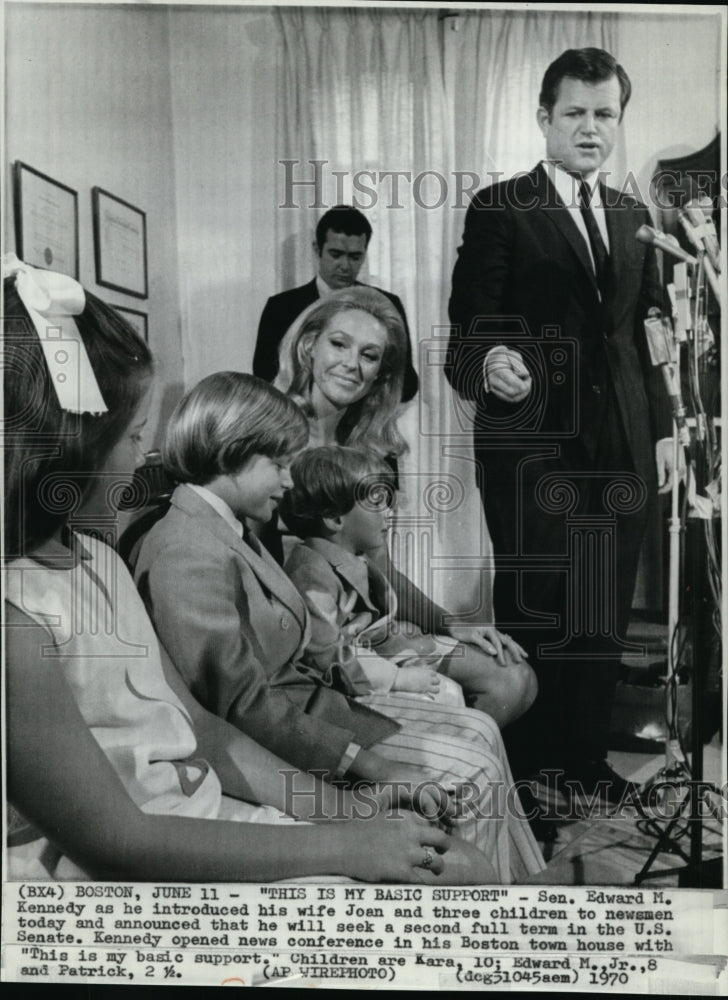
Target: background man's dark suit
{"points": [[596, 406], [282, 309]]}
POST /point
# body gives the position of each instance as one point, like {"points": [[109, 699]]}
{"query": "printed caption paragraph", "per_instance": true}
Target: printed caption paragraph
{"points": [[625, 940]]}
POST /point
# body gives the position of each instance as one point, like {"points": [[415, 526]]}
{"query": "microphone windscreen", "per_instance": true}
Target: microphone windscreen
{"points": [[645, 234]]}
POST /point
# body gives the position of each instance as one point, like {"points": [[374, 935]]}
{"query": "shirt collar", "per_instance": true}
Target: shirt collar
{"points": [[324, 290], [567, 185], [219, 506]]}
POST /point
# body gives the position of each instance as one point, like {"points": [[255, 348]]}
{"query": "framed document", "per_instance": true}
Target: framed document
{"points": [[120, 244], [46, 221], [136, 319]]}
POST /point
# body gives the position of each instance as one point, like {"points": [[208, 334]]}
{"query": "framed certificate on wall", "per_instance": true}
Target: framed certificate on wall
{"points": [[120, 244], [46, 221]]}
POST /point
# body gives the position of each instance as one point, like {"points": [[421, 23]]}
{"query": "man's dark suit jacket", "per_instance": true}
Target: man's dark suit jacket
{"points": [[523, 260], [524, 278], [282, 309]]}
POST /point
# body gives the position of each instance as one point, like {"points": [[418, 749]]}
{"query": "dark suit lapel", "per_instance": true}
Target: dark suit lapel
{"points": [[294, 301], [308, 294], [557, 213], [621, 238]]}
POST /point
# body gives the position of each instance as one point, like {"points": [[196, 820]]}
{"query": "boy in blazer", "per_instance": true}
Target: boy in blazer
{"points": [[236, 628], [340, 505]]}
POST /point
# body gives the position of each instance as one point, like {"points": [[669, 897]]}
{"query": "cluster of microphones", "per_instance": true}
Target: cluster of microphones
{"points": [[663, 335], [697, 223]]}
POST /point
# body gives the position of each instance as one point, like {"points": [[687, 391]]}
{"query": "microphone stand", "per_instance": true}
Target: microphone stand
{"points": [[675, 770]]}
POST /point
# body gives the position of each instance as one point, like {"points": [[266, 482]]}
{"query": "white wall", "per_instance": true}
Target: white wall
{"points": [[223, 72], [673, 61], [88, 103]]}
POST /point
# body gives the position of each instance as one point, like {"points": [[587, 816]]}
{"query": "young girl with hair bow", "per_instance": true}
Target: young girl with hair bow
{"points": [[113, 769]]}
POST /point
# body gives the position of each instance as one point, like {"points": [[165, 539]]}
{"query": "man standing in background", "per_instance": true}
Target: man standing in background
{"points": [[342, 238], [549, 295]]}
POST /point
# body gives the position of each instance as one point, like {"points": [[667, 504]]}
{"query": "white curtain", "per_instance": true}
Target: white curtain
{"points": [[399, 90], [498, 60]]}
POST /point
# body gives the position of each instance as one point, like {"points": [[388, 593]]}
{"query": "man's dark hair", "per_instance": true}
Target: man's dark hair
{"points": [[588, 65], [342, 219]]}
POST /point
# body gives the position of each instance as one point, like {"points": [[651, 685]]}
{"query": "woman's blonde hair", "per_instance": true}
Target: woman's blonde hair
{"points": [[370, 421]]}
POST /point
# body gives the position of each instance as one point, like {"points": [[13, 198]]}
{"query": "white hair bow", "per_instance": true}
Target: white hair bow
{"points": [[52, 300]]}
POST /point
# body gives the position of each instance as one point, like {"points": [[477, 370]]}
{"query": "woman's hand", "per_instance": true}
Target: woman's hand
{"points": [[414, 788], [394, 848], [405, 785], [417, 680], [490, 640], [404, 847], [463, 864]]}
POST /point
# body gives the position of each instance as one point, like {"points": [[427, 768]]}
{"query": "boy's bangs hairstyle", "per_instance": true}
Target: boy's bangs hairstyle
{"points": [[370, 422], [328, 481], [51, 455], [226, 419]]}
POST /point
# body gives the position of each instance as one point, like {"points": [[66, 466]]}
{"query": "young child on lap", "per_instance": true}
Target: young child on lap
{"points": [[340, 505]]}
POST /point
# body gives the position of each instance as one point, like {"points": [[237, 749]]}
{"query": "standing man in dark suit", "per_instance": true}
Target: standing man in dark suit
{"points": [[342, 238], [549, 295]]}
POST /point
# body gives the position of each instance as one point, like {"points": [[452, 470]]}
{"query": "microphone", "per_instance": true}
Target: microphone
{"points": [[668, 244], [663, 354], [680, 301], [698, 241], [660, 341], [698, 211], [691, 231]]}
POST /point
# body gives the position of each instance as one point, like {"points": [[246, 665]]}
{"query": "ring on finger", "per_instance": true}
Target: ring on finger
{"points": [[428, 859]]}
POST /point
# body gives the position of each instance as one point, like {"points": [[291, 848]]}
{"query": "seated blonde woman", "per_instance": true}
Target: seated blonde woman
{"points": [[343, 363]]}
